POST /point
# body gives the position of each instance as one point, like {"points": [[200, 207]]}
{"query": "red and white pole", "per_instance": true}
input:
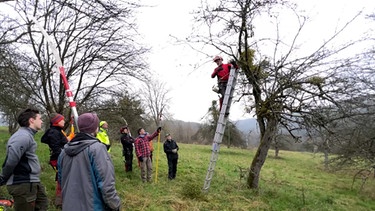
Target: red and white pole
{"points": [[61, 68]]}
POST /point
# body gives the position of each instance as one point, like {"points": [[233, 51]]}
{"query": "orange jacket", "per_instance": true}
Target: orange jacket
{"points": [[151, 146]]}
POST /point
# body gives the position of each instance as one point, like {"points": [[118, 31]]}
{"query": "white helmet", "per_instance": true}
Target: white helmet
{"points": [[217, 58]]}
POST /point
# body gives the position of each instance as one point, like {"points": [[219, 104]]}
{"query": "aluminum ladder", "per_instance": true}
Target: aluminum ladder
{"points": [[220, 128]]}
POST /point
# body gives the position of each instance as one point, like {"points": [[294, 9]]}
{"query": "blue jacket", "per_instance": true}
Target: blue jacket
{"points": [[87, 176]]}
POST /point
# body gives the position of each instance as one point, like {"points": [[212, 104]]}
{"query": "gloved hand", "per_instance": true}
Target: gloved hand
{"points": [[218, 69], [159, 129], [174, 150], [140, 158], [233, 62], [108, 208], [118, 209]]}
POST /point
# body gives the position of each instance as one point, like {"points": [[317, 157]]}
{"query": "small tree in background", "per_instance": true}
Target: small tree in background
{"points": [[232, 136]]}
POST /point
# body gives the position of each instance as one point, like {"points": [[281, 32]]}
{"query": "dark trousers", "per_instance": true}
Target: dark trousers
{"points": [[222, 89], [29, 197], [128, 160], [172, 168]]}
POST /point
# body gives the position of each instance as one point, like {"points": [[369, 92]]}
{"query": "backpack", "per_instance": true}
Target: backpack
{"points": [[44, 138]]}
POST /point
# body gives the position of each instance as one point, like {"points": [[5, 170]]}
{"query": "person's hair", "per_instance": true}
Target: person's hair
{"points": [[139, 130], [123, 128], [25, 115]]}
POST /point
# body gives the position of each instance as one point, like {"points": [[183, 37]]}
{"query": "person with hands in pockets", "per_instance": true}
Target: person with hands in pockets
{"points": [[86, 172], [143, 152], [170, 149]]}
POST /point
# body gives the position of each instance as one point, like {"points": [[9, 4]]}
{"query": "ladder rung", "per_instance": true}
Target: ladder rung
{"points": [[220, 128]]}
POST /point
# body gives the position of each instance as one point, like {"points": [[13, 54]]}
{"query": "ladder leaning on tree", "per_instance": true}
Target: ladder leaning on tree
{"points": [[220, 128]]}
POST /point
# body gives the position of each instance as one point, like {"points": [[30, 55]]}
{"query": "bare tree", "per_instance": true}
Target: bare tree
{"points": [[156, 100], [14, 95], [119, 110], [95, 40], [284, 88], [351, 139]]}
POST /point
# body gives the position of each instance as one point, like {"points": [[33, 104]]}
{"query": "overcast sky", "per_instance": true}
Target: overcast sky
{"points": [[191, 89]]}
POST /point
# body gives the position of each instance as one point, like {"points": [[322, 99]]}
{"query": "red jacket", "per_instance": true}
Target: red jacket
{"points": [[222, 72]]}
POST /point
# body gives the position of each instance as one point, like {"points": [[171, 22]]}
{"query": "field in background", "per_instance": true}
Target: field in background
{"points": [[295, 181]]}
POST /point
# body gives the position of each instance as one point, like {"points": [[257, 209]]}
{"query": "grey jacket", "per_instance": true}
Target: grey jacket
{"points": [[21, 163], [86, 175]]}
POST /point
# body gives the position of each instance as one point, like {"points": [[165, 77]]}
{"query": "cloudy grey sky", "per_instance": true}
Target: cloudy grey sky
{"points": [[191, 93]]}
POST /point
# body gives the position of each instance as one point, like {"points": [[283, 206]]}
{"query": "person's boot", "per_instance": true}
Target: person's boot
{"points": [[58, 199]]}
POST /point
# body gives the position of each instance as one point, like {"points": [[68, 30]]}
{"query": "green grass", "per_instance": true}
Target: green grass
{"points": [[295, 181]]}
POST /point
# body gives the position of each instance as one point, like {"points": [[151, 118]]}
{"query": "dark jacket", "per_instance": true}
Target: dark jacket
{"points": [[56, 140], [86, 174], [168, 147], [127, 142]]}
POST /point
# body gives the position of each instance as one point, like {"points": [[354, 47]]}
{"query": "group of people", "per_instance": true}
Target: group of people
{"points": [[143, 150], [82, 163], [83, 166]]}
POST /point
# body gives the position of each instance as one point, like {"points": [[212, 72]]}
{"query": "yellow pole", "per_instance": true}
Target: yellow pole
{"points": [[157, 159]]}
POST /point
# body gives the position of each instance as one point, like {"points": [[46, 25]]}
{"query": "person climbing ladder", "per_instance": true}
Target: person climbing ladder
{"points": [[222, 72]]}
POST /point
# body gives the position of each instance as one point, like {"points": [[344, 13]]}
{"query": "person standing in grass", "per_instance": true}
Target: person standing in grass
{"points": [[86, 172], [103, 135], [21, 168], [127, 148], [56, 139], [142, 150], [170, 149]]}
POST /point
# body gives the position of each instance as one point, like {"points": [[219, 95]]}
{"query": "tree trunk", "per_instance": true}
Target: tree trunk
{"points": [[326, 159], [277, 149], [326, 154], [261, 154]]}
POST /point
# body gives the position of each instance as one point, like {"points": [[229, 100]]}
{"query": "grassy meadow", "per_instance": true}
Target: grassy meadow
{"points": [[295, 181]]}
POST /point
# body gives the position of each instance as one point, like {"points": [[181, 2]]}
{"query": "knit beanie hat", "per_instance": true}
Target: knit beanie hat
{"points": [[56, 118], [88, 122]]}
